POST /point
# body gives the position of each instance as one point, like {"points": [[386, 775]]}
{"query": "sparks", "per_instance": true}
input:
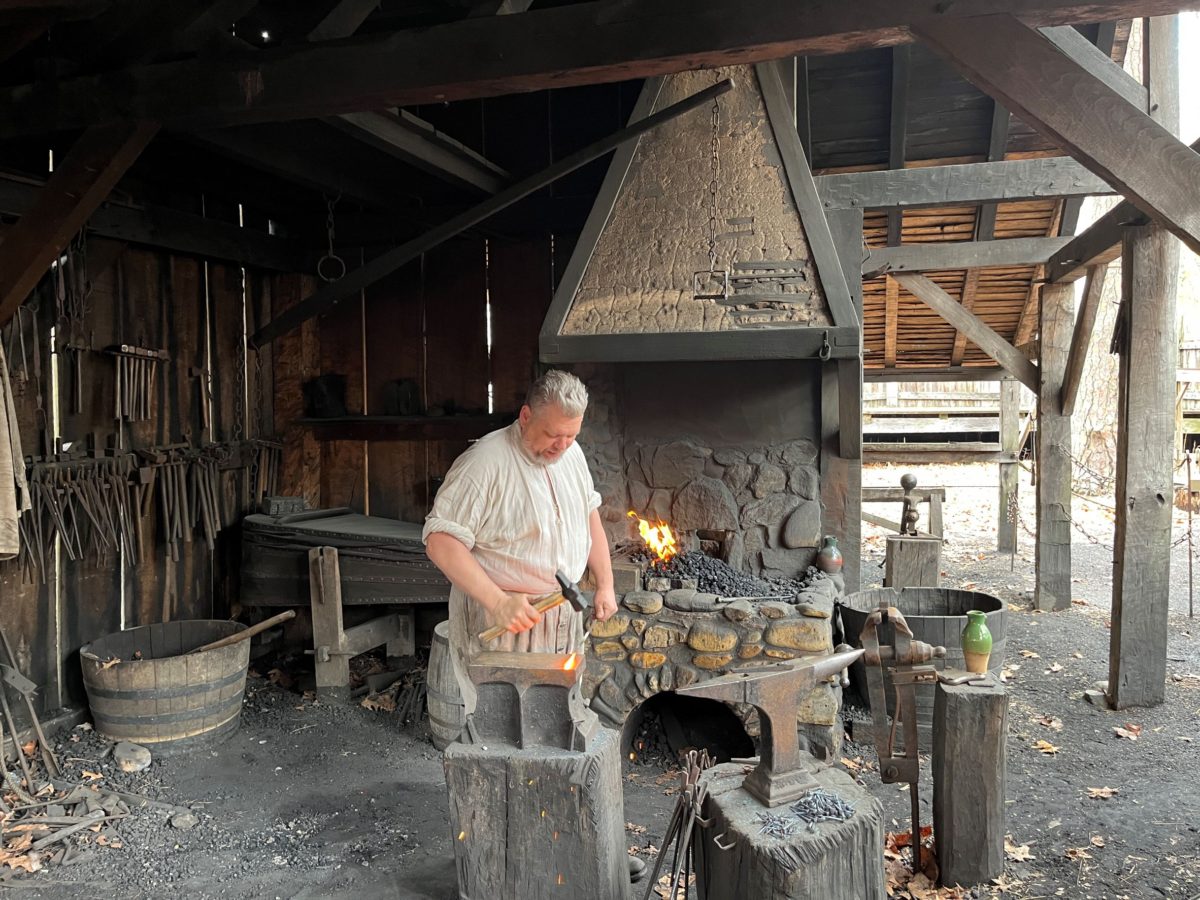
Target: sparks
{"points": [[571, 662]]}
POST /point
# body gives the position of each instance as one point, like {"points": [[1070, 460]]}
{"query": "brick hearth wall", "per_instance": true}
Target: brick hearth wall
{"points": [[658, 642]]}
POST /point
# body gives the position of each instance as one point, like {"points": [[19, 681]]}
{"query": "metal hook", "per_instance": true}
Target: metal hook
{"points": [[717, 840], [826, 350]]}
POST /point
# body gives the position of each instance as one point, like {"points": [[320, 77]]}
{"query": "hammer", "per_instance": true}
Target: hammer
{"points": [[569, 594]]}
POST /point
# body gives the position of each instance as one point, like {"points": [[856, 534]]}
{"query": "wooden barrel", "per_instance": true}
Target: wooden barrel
{"points": [[159, 698], [443, 700], [936, 616]]}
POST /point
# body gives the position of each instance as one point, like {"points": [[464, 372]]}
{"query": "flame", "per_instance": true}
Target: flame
{"points": [[658, 538], [571, 662]]}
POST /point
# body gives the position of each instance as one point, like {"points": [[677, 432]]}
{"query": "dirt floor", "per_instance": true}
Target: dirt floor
{"points": [[317, 800]]}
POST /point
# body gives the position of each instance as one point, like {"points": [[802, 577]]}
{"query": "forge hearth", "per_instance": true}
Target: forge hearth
{"points": [[660, 642]]}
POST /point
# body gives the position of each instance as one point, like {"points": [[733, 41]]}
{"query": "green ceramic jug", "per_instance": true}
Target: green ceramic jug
{"points": [[976, 642]]}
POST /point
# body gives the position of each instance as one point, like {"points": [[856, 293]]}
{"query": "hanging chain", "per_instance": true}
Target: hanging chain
{"points": [[714, 170], [258, 395], [330, 267], [239, 392]]}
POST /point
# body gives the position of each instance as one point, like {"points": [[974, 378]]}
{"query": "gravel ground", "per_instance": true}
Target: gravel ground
{"points": [[317, 800]]}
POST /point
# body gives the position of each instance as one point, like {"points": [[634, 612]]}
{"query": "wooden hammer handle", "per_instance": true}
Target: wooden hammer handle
{"points": [[247, 632], [541, 605]]}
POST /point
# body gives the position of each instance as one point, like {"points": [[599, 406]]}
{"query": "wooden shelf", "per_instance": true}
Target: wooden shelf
{"points": [[404, 428]]}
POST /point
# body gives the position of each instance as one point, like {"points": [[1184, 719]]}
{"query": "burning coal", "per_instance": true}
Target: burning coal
{"points": [[659, 538]]}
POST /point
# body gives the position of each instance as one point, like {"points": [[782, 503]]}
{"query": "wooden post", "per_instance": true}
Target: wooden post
{"points": [[1145, 430], [1010, 414], [1137, 660], [912, 561], [841, 415], [970, 725], [332, 665], [1052, 589]]}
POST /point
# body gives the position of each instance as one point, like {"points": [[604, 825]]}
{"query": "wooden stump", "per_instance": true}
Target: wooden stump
{"points": [[835, 861], [912, 561], [970, 724], [538, 823]]}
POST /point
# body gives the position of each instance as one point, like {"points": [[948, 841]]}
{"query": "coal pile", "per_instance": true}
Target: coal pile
{"points": [[649, 745], [714, 576]]}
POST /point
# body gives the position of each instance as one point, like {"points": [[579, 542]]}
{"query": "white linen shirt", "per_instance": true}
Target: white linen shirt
{"points": [[521, 520]]}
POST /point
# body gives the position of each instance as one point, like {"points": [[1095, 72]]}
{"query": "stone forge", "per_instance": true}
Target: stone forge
{"points": [[658, 642]]}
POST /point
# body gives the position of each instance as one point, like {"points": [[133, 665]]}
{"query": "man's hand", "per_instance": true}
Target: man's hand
{"points": [[515, 613], [604, 603]]}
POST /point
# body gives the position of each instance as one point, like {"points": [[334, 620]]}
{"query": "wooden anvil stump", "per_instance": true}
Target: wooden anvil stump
{"points": [[833, 861], [538, 822]]}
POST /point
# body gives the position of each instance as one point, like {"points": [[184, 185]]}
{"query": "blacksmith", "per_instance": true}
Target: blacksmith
{"points": [[514, 508]]}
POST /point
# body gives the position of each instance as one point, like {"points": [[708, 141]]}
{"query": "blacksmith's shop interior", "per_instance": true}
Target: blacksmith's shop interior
{"points": [[612, 450]]}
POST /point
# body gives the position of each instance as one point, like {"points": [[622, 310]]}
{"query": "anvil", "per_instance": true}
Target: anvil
{"points": [[530, 699], [776, 691]]}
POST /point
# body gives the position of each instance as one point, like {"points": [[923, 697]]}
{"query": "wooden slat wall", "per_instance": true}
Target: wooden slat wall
{"points": [[154, 300], [297, 360], [344, 463]]}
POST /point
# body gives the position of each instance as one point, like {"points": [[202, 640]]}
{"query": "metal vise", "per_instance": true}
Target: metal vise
{"points": [[775, 691], [530, 699]]}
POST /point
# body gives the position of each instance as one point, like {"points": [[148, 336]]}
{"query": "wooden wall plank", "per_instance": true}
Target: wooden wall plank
{"points": [[519, 285], [344, 463], [296, 361], [398, 481]]}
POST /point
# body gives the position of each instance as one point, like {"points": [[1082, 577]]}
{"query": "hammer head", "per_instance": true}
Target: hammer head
{"points": [[571, 592]]}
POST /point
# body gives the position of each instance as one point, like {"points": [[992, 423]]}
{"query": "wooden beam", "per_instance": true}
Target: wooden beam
{"points": [[985, 223], [342, 20], [1014, 179], [90, 170], [978, 331], [928, 454], [1010, 420], [1098, 63], [586, 43], [939, 374], [898, 132], [1127, 148], [390, 261], [602, 208], [891, 320], [402, 134], [943, 256], [1027, 324], [1081, 338], [804, 107], [416, 142], [680, 346], [1052, 557], [970, 286], [827, 257], [1100, 244], [170, 229]]}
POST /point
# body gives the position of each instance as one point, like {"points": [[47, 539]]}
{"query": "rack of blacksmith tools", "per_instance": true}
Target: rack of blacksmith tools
{"points": [[264, 469], [136, 375], [100, 501]]}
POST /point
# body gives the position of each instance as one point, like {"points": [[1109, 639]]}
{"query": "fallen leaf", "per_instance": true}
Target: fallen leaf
{"points": [[853, 765], [1004, 884], [385, 702], [1045, 747], [281, 678], [636, 829], [1102, 793], [1030, 654], [1129, 732], [1077, 655], [1077, 853], [1056, 667], [1016, 853], [1097, 840], [1079, 602], [1051, 722], [29, 749], [91, 776]]}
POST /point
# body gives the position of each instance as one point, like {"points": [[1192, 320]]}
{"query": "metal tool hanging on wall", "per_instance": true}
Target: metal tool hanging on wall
{"points": [[136, 375], [906, 663]]}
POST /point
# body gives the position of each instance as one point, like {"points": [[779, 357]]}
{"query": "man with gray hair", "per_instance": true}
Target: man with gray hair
{"points": [[517, 506]]}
